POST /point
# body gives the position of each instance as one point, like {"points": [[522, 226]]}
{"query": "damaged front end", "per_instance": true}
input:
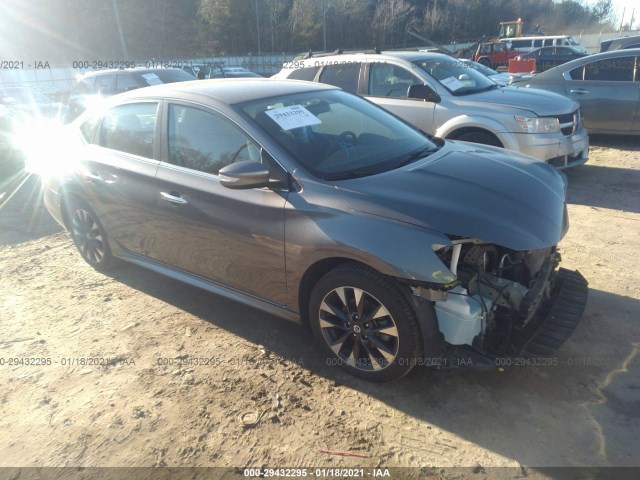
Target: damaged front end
{"points": [[507, 303]]}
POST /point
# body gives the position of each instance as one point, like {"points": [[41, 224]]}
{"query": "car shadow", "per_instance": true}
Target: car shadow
{"points": [[581, 399], [606, 187], [620, 142], [23, 216]]}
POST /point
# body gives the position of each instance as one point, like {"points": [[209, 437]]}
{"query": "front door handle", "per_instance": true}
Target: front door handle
{"points": [[579, 91], [175, 199]]}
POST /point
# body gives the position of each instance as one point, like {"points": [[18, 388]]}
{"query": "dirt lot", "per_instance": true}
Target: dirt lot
{"points": [[146, 371]]}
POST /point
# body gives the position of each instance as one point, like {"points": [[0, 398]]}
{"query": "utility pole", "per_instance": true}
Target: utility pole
{"points": [[258, 28], [324, 25], [122, 42]]}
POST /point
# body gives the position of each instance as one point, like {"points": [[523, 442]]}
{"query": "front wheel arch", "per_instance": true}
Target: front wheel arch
{"points": [[365, 322], [476, 135]]}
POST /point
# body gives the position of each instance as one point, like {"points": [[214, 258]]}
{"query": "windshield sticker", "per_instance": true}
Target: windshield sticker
{"points": [[452, 83], [293, 116], [152, 79]]}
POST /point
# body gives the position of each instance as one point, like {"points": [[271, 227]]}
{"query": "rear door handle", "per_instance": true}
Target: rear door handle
{"points": [[175, 199], [579, 91]]}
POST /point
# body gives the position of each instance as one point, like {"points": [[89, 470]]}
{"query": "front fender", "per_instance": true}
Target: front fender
{"points": [[488, 124], [393, 248]]}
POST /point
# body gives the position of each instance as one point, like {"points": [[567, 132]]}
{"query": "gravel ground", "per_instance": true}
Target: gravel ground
{"points": [[145, 371]]}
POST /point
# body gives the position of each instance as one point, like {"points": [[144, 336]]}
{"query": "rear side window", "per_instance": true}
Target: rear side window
{"points": [[612, 70], [344, 76], [203, 141], [130, 128], [304, 73]]}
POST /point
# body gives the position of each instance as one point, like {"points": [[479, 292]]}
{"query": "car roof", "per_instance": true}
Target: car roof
{"points": [[127, 70], [409, 55], [229, 91], [412, 56]]}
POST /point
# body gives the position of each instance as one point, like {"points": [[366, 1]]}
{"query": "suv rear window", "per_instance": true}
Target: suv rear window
{"points": [[344, 76]]}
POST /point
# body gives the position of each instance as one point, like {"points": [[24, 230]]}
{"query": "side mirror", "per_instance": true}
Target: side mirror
{"points": [[244, 175], [423, 92]]}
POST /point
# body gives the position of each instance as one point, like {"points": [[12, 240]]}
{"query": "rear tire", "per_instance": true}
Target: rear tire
{"points": [[364, 323], [88, 235]]}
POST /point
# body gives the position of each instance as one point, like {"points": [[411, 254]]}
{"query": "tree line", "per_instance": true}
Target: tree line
{"points": [[71, 30]]}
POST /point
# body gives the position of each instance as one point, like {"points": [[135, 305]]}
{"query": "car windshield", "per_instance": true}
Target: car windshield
{"points": [[336, 135], [455, 76]]}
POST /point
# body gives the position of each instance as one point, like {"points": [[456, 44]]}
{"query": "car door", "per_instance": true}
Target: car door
{"points": [[232, 237], [119, 168], [545, 58], [387, 86], [608, 95]]}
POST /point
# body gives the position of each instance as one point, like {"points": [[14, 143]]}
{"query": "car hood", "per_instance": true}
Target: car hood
{"points": [[539, 102], [473, 191]]}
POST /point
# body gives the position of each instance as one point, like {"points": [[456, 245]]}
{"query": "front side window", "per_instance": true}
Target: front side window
{"points": [[125, 82], [386, 80], [84, 86], [130, 128], [104, 84], [344, 76], [205, 142]]}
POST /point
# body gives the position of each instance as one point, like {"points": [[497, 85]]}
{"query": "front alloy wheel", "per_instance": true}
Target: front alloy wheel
{"points": [[364, 323], [359, 329]]}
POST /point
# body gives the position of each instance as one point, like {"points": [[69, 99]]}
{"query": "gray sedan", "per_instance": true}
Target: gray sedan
{"points": [[607, 86], [305, 201]]}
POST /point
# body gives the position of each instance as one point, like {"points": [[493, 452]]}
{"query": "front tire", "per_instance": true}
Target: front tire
{"points": [[365, 324], [88, 235]]}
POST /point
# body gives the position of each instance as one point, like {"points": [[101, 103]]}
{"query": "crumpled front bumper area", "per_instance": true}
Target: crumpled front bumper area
{"points": [[540, 338], [549, 333]]}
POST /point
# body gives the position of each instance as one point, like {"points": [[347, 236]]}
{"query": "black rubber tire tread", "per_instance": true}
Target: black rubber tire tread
{"points": [[389, 294], [479, 137], [108, 261]]}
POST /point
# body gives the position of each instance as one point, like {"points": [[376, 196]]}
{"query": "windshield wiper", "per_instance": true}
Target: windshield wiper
{"points": [[417, 155]]}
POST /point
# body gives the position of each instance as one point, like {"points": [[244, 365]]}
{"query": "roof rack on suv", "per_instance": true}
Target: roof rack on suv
{"points": [[338, 51]]}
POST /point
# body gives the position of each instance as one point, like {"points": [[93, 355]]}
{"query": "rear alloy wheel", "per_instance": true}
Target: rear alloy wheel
{"points": [[89, 236], [365, 324]]}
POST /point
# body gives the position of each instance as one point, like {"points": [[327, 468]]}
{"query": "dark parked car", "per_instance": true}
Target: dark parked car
{"points": [[620, 43], [94, 86], [607, 85], [549, 57], [314, 204]]}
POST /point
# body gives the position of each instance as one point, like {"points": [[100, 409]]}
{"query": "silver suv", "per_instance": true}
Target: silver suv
{"points": [[444, 97]]}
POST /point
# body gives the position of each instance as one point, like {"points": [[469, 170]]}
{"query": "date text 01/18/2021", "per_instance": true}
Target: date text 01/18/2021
{"points": [[317, 472]]}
